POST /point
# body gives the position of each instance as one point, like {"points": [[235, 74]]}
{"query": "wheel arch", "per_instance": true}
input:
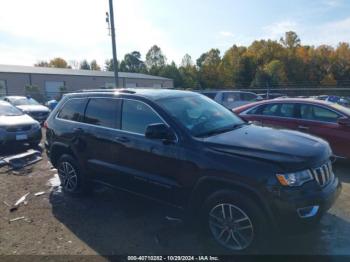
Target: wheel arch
{"points": [[207, 186], [59, 149]]}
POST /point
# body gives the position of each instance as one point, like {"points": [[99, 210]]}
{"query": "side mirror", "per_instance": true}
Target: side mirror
{"points": [[159, 131], [344, 121]]}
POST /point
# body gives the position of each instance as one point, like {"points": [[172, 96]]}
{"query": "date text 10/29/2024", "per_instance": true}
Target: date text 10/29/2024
{"points": [[173, 258]]}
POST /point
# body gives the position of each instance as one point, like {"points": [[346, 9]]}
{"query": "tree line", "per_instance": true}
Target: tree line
{"points": [[265, 63]]}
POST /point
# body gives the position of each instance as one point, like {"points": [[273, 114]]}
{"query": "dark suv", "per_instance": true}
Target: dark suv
{"points": [[240, 180]]}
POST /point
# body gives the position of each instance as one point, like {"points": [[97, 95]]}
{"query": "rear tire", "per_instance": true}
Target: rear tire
{"points": [[234, 222], [73, 181]]}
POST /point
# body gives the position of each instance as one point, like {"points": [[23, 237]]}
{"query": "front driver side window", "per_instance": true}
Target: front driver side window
{"points": [[136, 116]]}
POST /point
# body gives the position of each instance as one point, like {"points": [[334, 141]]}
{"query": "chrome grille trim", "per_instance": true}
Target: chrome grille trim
{"points": [[323, 174]]}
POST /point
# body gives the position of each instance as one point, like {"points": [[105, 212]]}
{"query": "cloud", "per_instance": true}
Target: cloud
{"points": [[330, 33], [276, 30], [226, 34], [75, 29], [333, 3]]}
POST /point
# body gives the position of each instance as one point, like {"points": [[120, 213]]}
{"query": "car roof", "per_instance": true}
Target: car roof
{"points": [[223, 91], [4, 103], [15, 97], [151, 94]]}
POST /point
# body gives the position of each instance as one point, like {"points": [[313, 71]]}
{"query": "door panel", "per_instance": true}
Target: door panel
{"points": [[102, 117], [150, 166], [322, 123]]}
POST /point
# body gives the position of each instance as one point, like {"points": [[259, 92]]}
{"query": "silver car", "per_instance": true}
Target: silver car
{"points": [[29, 106], [232, 99], [17, 127]]}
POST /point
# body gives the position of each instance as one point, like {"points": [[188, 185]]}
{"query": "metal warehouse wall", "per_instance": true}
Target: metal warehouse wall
{"points": [[15, 82]]}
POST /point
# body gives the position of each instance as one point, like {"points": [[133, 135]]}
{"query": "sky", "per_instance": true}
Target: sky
{"points": [[36, 30]]}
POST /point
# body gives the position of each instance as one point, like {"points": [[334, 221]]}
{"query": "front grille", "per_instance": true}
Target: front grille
{"points": [[19, 128], [323, 174]]}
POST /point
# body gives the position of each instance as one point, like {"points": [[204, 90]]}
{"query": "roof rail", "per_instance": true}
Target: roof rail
{"points": [[126, 91]]}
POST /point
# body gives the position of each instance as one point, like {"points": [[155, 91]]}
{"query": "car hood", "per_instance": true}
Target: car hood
{"points": [[16, 120], [290, 149], [33, 108]]}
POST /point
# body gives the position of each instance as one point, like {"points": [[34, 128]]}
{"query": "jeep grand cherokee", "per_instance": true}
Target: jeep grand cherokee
{"points": [[240, 180]]}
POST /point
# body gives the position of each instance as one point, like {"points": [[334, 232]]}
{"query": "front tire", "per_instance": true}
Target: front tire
{"points": [[234, 221], [71, 177]]}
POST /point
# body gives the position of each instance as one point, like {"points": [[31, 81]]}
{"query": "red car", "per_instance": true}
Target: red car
{"points": [[323, 119]]}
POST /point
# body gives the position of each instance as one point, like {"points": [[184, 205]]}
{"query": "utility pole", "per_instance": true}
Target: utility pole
{"points": [[110, 19]]}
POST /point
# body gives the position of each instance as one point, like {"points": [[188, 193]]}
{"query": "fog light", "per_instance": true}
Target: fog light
{"points": [[307, 212]]}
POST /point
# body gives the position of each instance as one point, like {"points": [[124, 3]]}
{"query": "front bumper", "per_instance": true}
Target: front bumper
{"points": [[304, 205]]}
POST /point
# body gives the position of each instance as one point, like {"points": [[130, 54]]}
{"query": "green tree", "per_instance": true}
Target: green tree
{"points": [[109, 65], [155, 59], [290, 40], [42, 64], [189, 73], [171, 71], [84, 65], [95, 66], [132, 63], [209, 69], [58, 63]]}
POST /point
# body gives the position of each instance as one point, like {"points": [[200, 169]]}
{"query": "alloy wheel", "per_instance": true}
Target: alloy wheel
{"points": [[231, 227], [68, 176]]}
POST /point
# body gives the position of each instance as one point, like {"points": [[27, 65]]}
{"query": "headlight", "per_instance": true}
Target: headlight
{"points": [[295, 179]]}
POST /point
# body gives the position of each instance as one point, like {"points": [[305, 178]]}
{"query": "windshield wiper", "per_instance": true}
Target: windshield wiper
{"points": [[220, 130]]}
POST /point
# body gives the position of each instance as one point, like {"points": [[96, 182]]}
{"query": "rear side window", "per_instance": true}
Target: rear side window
{"points": [[230, 97], [211, 95], [103, 112], [136, 116], [271, 110], [316, 113], [287, 110], [73, 110], [248, 97]]}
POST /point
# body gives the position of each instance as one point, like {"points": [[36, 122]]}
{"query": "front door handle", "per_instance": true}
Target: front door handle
{"points": [[122, 139], [303, 127]]}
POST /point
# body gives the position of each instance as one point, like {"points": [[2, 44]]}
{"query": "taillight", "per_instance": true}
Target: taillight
{"points": [[46, 125]]}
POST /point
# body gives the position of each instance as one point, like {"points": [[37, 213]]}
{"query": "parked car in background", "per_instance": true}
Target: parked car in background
{"points": [[232, 99], [323, 119], [266, 96], [238, 181], [51, 104], [17, 127], [29, 106], [344, 101]]}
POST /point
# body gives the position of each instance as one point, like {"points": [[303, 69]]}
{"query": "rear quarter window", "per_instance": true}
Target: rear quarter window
{"points": [[73, 110]]}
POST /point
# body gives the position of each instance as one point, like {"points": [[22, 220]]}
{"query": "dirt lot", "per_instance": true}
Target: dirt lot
{"points": [[111, 223]]}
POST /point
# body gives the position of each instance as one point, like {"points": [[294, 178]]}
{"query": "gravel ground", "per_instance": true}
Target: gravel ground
{"points": [[112, 223]]}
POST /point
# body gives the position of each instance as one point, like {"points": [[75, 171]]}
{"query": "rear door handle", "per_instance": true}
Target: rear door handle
{"points": [[122, 139], [303, 127]]}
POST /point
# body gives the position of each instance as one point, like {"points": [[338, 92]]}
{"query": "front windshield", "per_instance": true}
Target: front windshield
{"points": [[24, 102], [9, 110], [200, 115]]}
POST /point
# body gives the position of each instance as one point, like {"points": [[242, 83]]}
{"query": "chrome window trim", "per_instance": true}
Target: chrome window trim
{"points": [[245, 113], [109, 128]]}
